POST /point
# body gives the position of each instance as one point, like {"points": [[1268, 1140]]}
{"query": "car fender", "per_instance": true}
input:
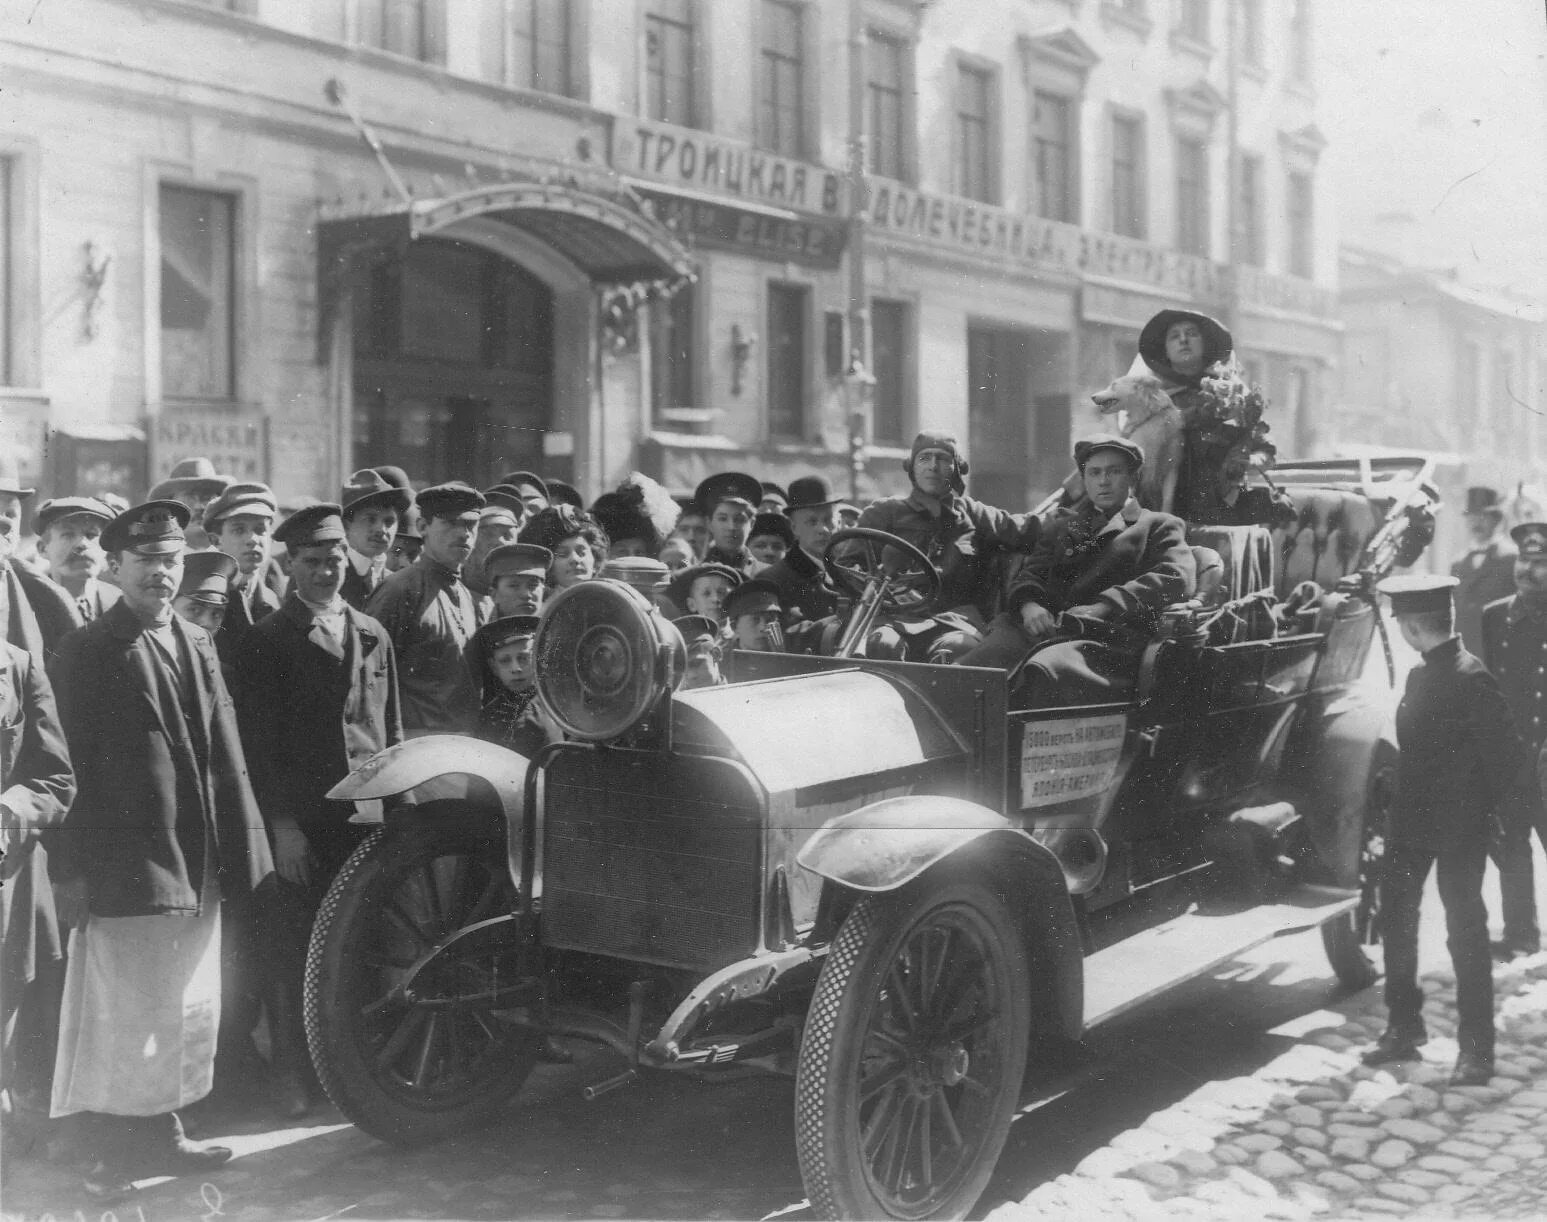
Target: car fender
{"points": [[889, 844], [1352, 734], [441, 767]]}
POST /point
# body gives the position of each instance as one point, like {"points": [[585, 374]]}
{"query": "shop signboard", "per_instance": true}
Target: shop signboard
{"points": [[235, 440]]}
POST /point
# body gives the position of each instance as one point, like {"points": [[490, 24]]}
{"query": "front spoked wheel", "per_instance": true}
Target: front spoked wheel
{"points": [[1347, 940], [913, 1054], [413, 1064]]}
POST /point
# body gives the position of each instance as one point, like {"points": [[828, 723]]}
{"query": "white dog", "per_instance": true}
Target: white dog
{"points": [[1145, 415]]}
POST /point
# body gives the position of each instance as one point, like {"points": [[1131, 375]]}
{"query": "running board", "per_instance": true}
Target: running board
{"points": [[1129, 973]]}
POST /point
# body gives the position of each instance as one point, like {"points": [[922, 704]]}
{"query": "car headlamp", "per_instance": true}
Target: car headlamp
{"points": [[605, 657]]}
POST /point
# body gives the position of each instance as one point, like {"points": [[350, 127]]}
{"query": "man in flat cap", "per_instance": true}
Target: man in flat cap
{"points": [[239, 522], [69, 532], [195, 483], [431, 616], [316, 696], [729, 502], [373, 513], [1458, 756], [1514, 649], [164, 830], [518, 579], [1486, 573], [499, 522], [1106, 561], [961, 536], [35, 613], [756, 617]]}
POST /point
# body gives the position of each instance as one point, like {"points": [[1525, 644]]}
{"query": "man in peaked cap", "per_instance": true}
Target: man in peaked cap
{"points": [[431, 616], [239, 522], [205, 589], [563, 493], [498, 524], [729, 502], [69, 531], [532, 488], [194, 482], [374, 511], [775, 498], [1458, 756], [518, 579], [164, 830], [1514, 649], [756, 618], [1106, 559], [316, 692], [961, 536], [1486, 573]]}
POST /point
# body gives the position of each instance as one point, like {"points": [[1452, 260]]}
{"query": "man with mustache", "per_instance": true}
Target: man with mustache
{"points": [[239, 521], [35, 613], [431, 616], [69, 530], [374, 511], [163, 831]]}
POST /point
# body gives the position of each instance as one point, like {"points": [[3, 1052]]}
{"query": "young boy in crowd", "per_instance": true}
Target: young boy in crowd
{"points": [[756, 618], [517, 574], [701, 636], [771, 537], [510, 715], [201, 598], [701, 589]]}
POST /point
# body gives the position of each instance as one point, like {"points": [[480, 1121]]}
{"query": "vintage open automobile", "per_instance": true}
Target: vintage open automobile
{"points": [[886, 879]]}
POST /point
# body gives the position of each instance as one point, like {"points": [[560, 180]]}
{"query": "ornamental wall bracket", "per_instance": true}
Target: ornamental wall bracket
{"points": [[93, 281]]}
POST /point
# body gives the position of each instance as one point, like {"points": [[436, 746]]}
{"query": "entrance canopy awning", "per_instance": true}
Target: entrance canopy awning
{"points": [[607, 237]]}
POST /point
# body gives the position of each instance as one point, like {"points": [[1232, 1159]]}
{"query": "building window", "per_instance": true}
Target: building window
{"points": [[1251, 32], [788, 305], [1128, 211], [532, 39], [887, 66], [1250, 249], [404, 27], [1052, 125], [669, 40], [671, 353], [1299, 205], [1192, 197], [889, 352], [1300, 45], [780, 115], [974, 124], [8, 245], [1193, 20], [198, 293]]}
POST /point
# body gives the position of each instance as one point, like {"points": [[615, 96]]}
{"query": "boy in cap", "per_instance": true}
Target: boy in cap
{"points": [[531, 488], [164, 830], [729, 502], [510, 716], [959, 535], [692, 527], [239, 521], [770, 538], [702, 638], [756, 618], [1458, 755], [701, 589], [405, 548], [775, 499], [205, 589], [518, 579], [1514, 649], [373, 512], [431, 616], [69, 531], [1106, 559], [1486, 573], [317, 695]]}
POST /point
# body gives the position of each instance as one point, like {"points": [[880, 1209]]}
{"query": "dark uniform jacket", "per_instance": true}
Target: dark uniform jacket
{"points": [[1458, 753], [1136, 562], [309, 719], [98, 597], [431, 617], [36, 786], [958, 540], [1486, 574], [39, 613], [1514, 649], [510, 719], [160, 772], [805, 592], [241, 614]]}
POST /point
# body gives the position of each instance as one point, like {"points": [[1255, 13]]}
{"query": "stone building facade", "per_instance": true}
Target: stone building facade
{"points": [[673, 235]]}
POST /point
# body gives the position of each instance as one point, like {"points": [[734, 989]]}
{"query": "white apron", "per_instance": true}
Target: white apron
{"points": [[141, 1008]]}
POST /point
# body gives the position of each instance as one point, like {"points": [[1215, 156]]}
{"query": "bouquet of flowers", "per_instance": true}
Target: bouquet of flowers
{"points": [[1229, 419]]}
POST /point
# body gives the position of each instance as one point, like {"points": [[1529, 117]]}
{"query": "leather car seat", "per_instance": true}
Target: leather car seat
{"points": [[1326, 538]]}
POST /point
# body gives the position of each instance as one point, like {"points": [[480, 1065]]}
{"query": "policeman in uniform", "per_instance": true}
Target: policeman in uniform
{"points": [[1458, 756], [431, 617], [1514, 648], [1487, 572]]}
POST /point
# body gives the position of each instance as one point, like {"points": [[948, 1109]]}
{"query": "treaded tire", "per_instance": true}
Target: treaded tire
{"points": [[948, 953], [1346, 939], [465, 1062]]}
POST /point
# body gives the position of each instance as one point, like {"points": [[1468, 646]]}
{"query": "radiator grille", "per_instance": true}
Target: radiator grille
{"points": [[651, 859]]}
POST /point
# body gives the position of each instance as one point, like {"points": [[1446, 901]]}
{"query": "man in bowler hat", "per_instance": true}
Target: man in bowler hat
{"points": [[1458, 756], [805, 590]]}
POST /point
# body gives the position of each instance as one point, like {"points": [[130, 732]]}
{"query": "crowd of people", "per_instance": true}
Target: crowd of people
{"points": [[186, 678]]}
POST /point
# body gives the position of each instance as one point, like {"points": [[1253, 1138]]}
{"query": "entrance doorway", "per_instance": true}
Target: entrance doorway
{"points": [[453, 364], [1018, 421]]}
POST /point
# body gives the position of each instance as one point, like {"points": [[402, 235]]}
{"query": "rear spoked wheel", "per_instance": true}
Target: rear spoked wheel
{"points": [[913, 1054]]}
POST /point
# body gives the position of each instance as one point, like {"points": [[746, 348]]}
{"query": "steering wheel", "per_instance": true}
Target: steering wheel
{"points": [[909, 581]]}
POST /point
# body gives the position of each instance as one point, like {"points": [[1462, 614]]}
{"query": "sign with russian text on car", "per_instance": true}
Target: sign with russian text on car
{"points": [[1069, 757]]}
